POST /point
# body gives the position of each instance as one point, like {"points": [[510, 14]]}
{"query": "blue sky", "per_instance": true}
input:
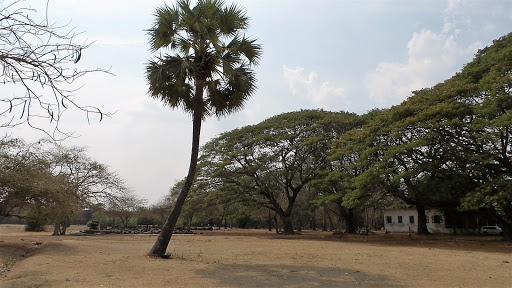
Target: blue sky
{"points": [[329, 54]]}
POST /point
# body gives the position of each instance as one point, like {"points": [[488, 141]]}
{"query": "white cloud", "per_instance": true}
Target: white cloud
{"points": [[453, 4], [432, 58], [309, 87]]}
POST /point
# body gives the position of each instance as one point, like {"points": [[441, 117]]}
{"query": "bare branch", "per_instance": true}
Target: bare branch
{"points": [[38, 60]]}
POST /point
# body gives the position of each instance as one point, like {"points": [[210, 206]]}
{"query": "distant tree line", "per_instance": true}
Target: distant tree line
{"points": [[45, 183], [445, 147]]}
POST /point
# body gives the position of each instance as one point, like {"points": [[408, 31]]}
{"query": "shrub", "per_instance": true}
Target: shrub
{"points": [[146, 221], [34, 224]]}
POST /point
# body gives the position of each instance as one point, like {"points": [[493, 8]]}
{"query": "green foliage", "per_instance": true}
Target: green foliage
{"points": [[102, 218], [489, 74], [51, 182], [35, 224], [448, 146], [270, 163], [212, 53], [9, 262], [145, 220]]}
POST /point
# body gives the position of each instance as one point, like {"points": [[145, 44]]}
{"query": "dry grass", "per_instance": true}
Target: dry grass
{"points": [[254, 258]]}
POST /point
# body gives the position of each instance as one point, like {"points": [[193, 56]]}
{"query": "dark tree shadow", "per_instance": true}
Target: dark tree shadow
{"points": [[269, 275]]}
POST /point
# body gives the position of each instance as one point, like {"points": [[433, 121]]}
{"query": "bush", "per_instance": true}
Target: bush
{"points": [[101, 217], [146, 221], [32, 224]]}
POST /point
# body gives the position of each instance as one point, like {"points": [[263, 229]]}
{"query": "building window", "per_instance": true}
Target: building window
{"points": [[399, 219], [411, 219], [426, 218], [437, 219], [388, 219]]}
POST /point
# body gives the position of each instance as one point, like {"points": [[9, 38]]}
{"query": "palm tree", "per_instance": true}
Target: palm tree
{"points": [[209, 74]]}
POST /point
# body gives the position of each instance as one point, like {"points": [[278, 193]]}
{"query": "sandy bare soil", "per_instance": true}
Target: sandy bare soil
{"points": [[254, 258]]}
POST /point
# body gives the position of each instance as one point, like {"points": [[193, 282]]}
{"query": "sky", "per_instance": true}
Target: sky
{"points": [[326, 54]]}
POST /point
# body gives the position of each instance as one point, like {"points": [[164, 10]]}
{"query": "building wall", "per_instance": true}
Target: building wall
{"points": [[395, 226], [436, 227], [409, 217]]}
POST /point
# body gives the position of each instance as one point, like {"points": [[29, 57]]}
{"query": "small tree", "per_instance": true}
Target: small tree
{"points": [[125, 207], [53, 183]]}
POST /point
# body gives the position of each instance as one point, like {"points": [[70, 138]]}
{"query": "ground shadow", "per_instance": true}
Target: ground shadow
{"points": [[271, 275]]}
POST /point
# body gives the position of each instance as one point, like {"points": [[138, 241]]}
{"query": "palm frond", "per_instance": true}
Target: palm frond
{"points": [[231, 96], [250, 50], [167, 80], [232, 19], [164, 30], [199, 35]]}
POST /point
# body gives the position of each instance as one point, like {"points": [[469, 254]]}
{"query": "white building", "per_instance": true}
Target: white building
{"points": [[401, 220]]}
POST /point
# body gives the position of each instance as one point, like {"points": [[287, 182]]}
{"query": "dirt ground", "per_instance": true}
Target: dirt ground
{"points": [[253, 258]]}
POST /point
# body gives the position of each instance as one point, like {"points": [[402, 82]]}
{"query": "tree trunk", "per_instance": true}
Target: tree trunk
{"points": [[56, 229], [64, 226], [422, 220], [348, 216], [277, 224], [313, 220], [269, 222], [220, 222], [505, 226], [331, 222], [324, 220], [287, 224], [189, 222], [507, 231], [160, 246]]}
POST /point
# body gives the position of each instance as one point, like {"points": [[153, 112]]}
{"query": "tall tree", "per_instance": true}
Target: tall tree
{"points": [[489, 80], [422, 146], [209, 74], [343, 166], [448, 146], [125, 207], [24, 177], [273, 161]]}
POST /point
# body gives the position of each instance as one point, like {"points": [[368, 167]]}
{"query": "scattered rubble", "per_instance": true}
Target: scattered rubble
{"points": [[139, 229]]}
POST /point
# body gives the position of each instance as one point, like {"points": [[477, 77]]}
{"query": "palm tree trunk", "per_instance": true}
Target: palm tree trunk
{"points": [[160, 246]]}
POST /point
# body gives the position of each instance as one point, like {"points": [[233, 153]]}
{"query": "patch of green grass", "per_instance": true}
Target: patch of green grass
{"points": [[9, 262]]}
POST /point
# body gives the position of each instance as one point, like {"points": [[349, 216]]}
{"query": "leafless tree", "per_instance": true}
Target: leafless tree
{"points": [[125, 207], [39, 70]]}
